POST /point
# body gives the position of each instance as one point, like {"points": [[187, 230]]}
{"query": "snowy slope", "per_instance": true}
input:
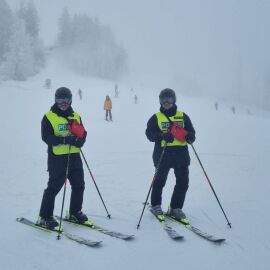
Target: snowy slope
{"points": [[233, 148]]}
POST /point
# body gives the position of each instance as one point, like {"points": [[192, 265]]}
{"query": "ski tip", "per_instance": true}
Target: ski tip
{"points": [[96, 244], [178, 238], [219, 241], [92, 243], [129, 237]]}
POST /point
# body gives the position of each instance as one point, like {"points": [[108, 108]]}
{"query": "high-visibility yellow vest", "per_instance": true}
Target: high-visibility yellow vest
{"points": [[163, 124], [59, 125]]}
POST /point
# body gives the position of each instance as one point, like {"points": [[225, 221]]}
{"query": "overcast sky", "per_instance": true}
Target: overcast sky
{"points": [[201, 45]]}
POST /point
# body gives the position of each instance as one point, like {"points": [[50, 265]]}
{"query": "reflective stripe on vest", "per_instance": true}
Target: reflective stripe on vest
{"points": [[59, 125], [163, 124]]}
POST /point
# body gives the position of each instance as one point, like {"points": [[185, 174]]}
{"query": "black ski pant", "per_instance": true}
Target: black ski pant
{"points": [[180, 188], [55, 183], [108, 112]]}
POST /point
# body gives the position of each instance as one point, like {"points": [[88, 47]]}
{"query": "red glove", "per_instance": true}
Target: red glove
{"points": [[76, 129], [178, 132]]}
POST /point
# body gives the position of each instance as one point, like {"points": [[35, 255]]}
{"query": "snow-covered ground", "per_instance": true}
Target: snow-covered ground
{"points": [[234, 149]]}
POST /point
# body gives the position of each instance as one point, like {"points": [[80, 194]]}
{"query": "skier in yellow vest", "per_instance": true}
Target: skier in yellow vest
{"points": [[58, 133], [163, 128]]}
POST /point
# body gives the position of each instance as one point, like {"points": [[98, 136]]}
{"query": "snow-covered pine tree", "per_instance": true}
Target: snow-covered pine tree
{"points": [[19, 61], [65, 29], [24, 54], [6, 21], [31, 20]]}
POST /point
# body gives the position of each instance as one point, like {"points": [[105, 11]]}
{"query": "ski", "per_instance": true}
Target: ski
{"points": [[73, 237], [169, 230], [197, 231], [100, 229]]}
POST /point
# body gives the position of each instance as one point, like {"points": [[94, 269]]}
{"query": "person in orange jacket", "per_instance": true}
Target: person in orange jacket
{"points": [[108, 108]]}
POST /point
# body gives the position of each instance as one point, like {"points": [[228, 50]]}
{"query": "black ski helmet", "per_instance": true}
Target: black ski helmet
{"points": [[63, 93], [168, 95]]}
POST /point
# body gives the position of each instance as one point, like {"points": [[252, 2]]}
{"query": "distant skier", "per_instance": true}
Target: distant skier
{"points": [[233, 109], [136, 99], [216, 106], [48, 83], [63, 132], [108, 108], [80, 93], [172, 129], [116, 92]]}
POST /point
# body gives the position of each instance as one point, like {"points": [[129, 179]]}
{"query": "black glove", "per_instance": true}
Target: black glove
{"points": [[69, 140], [167, 137], [75, 141], [190, 138], [79, 142]]}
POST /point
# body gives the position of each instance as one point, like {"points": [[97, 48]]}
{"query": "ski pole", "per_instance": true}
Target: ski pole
{"points": [[108, 215], [228, 223], [152, 183], [65, 187]]}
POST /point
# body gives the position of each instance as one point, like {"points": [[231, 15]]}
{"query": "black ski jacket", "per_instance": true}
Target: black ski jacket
{"points": [[58, 163]]}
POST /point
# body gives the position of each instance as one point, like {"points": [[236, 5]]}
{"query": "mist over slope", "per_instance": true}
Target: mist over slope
{"points": [[234, 149]]}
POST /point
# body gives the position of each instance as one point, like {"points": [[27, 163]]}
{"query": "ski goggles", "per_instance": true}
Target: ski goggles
{"points": [[63, 101], [170, 100]]}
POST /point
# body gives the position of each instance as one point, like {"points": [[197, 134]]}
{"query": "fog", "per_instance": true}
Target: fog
{"points": [[214, 47]]}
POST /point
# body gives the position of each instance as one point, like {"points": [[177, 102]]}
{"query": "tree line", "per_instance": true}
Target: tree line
{"points": [[85, 45], [89, 47]]}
